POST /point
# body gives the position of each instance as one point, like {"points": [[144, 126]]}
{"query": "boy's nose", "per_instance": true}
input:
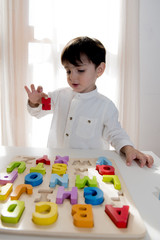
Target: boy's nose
{"points": [[72, 75]]}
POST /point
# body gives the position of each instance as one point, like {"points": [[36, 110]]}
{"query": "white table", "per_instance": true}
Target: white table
{"points": [[143, 183]]}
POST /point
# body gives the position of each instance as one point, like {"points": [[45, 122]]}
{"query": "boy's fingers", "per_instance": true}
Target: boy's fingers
{"points": [[27, 90], [32, 87], [145, 160], [140, 158], [129, 160], [44, 95], [142, 162], [39, 89], [150, 161]]}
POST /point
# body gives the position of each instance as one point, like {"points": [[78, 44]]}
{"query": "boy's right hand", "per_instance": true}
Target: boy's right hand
{"points": [[35, 95]]}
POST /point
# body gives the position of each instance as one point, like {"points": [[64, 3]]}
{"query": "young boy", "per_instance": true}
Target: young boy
{"points": [[83, 118]]}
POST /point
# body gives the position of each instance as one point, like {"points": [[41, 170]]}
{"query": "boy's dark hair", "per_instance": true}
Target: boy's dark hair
{"points": [[92, 48]]}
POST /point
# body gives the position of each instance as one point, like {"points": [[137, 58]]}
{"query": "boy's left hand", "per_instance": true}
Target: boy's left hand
{"points": [[133, 154]]}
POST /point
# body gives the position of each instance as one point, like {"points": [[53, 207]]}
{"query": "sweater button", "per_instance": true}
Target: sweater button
{"points": [[67, 134], [70, 118]]}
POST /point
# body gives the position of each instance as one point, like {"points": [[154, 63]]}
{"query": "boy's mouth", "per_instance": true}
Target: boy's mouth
{"points": [[75, 84]]}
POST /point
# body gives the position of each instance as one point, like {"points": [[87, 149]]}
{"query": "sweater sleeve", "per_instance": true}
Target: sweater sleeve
{"points": [[113, 132]]}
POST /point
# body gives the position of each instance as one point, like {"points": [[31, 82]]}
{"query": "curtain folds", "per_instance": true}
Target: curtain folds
{"points": [[129, 73], [14, 62]]}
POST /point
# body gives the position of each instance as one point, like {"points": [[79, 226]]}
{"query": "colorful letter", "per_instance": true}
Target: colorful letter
{"points": [[60, 159], [118, 215], [46, 103], [81, 183], [39, 168], [105, 169], [8, 178], [5, 191], [82, 215], [113, 179], [44, 160], [21, 166], [62, 194], [21, 189], [12, 211], [56, 179], [59, 168], [103, 161], [93, 195], [34, 179], [46, 213]]}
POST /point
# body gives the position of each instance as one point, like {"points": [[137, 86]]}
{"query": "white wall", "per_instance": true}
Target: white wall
{"points": [[150, 75]]}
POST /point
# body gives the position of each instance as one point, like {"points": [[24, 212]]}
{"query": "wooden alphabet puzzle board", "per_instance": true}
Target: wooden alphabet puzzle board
{"points": [[48, 192]]}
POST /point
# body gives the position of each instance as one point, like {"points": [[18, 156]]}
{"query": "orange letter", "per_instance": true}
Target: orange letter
{"points": [[82, 215]]}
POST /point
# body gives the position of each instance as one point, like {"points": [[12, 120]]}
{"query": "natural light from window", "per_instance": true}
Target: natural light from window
{"points": [[52, 24]]}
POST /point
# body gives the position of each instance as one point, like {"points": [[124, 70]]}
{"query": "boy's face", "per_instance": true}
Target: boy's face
{"points": [[82, 78]]}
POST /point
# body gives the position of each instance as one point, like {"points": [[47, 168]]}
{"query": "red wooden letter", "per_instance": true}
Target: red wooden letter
{"points": [[118, 215]]}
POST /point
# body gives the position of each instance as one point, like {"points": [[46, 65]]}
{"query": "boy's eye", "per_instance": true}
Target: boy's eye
{"points": [[68, 71], [81, 70]]}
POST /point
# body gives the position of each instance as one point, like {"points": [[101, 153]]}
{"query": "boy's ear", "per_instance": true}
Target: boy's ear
{"points": [[100, 69]]}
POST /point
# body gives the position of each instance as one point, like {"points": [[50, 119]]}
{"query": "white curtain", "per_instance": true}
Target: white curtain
{"points": [[129, 73], [33, 34], [13, 71]]}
